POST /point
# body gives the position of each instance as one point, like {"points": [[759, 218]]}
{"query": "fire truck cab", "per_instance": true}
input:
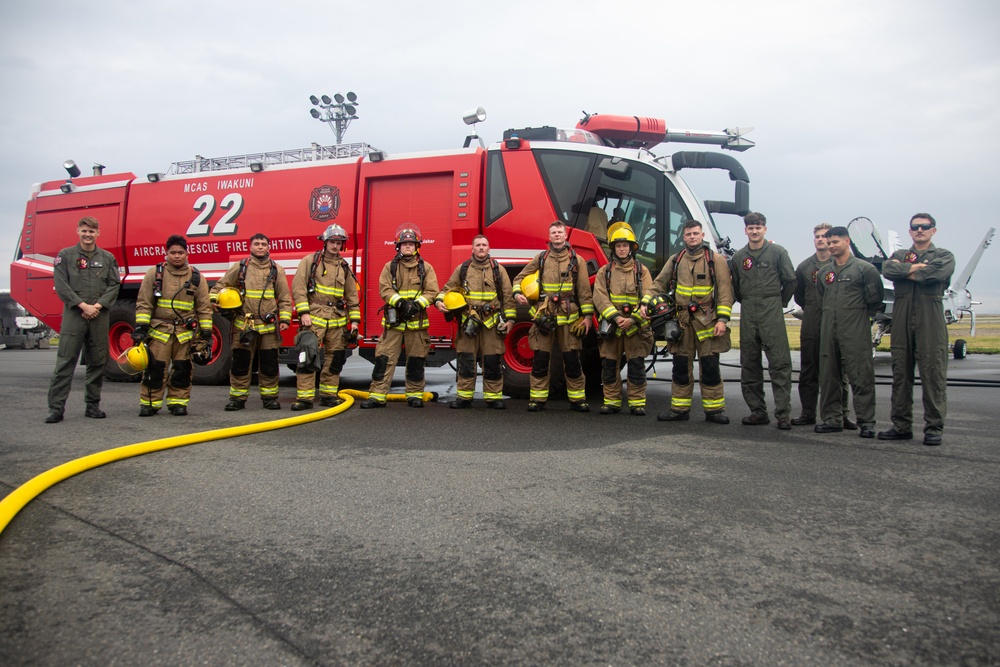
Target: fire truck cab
{"points": [[589, 177]]}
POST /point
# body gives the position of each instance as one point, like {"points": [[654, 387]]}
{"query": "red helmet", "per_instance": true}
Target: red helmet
{"points": [[407, 233]]}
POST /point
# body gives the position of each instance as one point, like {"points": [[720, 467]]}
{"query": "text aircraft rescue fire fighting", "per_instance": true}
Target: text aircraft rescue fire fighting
{"points": [[593, 175]]}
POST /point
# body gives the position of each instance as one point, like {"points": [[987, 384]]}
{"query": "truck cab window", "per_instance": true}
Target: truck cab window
{"points": [[497, 193], [566, 175]]}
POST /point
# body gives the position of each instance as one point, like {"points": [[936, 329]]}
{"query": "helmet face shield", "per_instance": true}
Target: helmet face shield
{"points": [[407, 233], [334, 233], [134, 360]]}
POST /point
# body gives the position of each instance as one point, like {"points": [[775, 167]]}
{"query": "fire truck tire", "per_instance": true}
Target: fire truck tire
{"points": [[120, 327], [216, 372]]}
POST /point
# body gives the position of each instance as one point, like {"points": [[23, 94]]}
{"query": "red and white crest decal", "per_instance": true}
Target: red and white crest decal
{"points": [[748, 263], [829, 277], [910, 258], [813, 276], [81, 263], [325, 203]]}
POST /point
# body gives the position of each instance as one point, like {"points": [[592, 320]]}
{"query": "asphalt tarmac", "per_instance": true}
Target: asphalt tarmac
{"points": [[446, 537]]}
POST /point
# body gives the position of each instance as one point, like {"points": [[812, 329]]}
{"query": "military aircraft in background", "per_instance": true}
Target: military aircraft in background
{"points": [[866, 242]]}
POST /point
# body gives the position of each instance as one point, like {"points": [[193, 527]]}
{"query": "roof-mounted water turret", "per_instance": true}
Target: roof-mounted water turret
{"points": [[644, 132]]}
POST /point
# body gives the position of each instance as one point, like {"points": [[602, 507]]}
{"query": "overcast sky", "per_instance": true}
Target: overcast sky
{"points": [[861, 108]]}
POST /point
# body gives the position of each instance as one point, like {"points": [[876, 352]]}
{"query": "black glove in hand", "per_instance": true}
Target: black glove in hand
{"points": [[140, 333], [409, 309]]}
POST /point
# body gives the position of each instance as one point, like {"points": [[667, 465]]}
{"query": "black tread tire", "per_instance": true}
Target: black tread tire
{"points": [[961, 348]]}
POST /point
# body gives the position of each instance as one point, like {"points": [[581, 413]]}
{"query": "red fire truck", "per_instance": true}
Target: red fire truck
{"points": [[590, 176]]}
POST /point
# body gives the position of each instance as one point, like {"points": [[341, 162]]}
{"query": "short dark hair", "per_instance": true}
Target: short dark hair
{"points": [[688, 224], [89, 222], [258, 235], [754, 218], [480, 236], [925, 216], [557, 223], [175, 239], [838, 231]]}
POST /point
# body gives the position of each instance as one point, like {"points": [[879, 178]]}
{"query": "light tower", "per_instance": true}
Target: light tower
{"points": [[337, 113]]}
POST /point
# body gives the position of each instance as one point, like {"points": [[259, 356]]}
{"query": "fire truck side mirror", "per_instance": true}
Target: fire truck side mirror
{"points": [[615, 167]]}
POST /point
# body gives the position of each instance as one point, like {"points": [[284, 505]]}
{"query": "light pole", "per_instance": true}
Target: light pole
{"points": [[337, 113]]}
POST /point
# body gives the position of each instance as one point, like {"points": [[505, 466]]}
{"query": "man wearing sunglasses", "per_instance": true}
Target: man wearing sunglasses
{"points": [[919, 335]]}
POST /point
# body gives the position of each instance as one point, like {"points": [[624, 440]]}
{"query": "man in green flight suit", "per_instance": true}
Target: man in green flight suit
{"points": [[919, 335], [764, 281], [850, 291], [86, 280]]}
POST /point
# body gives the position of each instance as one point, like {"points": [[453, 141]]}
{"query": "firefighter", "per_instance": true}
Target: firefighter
{"points": [[807, 299], [618, 292], [408, 285], [266, 311], [702, 287], [325, 293], [764, 281], [86, 281], [850, 291], [479, 296], [172, 308], [919, 335], [563, 313]]}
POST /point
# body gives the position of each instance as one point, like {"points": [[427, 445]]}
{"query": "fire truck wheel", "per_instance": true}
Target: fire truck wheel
{"points": [[120, 327], [216, 372]]}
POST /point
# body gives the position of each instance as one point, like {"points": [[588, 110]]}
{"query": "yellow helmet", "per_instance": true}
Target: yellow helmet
{"points": [[622, 232], [616, 226], [454, 301], [529, 286], [229, 301], [134, 360]]}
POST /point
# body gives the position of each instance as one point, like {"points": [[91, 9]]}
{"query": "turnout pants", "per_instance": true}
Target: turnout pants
{"points": [[176, 380], [635, 348], [334, 356], [684, 351], [541, 345], [486, 346], [265, 348], [78, 334], [418, 345]]}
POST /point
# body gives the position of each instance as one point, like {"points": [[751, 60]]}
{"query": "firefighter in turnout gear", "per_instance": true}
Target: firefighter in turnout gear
{"points": [[700, 282], [618, 292], [851, 292], [325, 293], [408, 285], [563, 313], [764, 281], [484, 313], [172, 311], [919, 335], [86, 281], [265, 313]]}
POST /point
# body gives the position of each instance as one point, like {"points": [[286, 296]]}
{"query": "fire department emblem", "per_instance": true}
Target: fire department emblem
{"points": [[910, 258], [325, 203], [748, 263], [829, 277]]}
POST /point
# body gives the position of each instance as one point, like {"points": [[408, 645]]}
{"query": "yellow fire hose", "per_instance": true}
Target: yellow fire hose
{"points": [[22, 495]]}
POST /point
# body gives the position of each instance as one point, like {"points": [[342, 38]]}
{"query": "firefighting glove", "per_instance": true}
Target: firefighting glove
{"points": [[579, 327], [409, 309], [206, 335], [140, 333]]}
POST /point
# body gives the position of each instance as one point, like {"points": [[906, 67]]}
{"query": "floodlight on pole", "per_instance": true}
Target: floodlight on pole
{"points": [[338, 112]]}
